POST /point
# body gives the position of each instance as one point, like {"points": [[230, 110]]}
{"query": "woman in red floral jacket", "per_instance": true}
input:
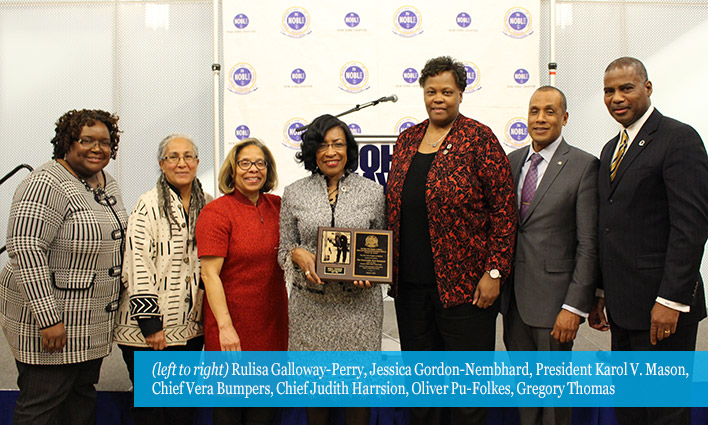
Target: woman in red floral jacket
{"points": [[452, 209]]}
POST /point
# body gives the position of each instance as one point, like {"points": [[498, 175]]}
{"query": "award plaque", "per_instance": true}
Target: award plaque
{"points": [[345, 254]]}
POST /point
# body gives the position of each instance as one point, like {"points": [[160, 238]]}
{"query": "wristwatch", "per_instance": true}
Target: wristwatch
{"points": [[494, 274]]}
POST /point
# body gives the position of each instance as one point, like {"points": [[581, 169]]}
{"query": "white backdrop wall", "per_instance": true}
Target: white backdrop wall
{"points": [[287, 64], [150, 62]]}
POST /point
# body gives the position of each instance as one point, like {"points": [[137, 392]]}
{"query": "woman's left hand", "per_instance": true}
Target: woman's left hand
{"points": [[363, 284], [157, 340], [487, 291]]}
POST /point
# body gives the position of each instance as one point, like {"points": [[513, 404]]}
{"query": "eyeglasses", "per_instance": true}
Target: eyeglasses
{"points": [[174, 159], [245, 164], [337, 146], [89, 144]]}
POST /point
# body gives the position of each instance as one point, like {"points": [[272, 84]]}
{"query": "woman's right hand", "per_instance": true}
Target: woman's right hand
{"points": [[306, 261], [228, 339], [53, 337]]}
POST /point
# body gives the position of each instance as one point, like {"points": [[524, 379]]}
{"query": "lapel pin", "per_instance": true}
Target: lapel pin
{"points": [[560, 162], [641, 143]]}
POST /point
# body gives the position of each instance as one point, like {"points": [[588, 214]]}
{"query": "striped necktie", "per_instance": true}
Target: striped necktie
{"points": [[619, 155], [528, 190]]}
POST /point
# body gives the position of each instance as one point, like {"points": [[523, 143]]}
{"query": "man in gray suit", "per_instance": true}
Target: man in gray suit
{"points": [[552, 286]]}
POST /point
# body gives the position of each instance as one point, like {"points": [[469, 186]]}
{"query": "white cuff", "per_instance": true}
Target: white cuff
{"points": [[575, 310], [683, 308]]}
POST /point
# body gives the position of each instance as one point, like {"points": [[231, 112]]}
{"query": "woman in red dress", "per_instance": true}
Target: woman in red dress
{"points": [[237, 240]]}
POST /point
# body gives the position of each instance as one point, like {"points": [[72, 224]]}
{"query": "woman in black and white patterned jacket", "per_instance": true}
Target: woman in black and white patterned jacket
{"points": [[59, 290], [161, 308]]}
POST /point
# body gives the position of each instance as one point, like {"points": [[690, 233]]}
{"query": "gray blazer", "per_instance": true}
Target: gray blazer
{"points": [[556, 245]]}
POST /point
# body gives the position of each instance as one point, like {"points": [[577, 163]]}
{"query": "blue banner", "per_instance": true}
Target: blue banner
{"points": [[522, 378]]}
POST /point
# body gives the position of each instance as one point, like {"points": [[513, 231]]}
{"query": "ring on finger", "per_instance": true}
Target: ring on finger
{"points": [[307, 273]]}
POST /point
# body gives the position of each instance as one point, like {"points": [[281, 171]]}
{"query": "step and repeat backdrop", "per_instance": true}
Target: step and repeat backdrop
{"points": [[287, 63]]}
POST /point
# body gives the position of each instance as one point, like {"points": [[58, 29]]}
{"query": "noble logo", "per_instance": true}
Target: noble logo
{"points": [[292, 137], [296, 22], [404, 124], [474, 77], [241, 21], [463, 20], [354, 77], [242, 78], [517, 23], [298, 75], [410, 75], [242, 132], [354, 128], [516, 132], [407, 21], [352, 19], [521, 76]]}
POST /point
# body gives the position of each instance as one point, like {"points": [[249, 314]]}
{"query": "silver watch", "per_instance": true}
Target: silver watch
{"points": [[494, 274]]}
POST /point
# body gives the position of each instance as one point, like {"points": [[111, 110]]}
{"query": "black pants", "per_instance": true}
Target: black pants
{"points": [[160, 415], [63, 394], [424, 325], [628, 340], [243, 415]]}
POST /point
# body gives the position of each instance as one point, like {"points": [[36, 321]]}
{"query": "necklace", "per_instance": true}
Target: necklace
{"points": [[332, 195], [98, 191], [434, 145]]}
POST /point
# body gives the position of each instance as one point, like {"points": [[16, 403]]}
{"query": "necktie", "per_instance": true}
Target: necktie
{"points": [[619, 155], [529, 188]]}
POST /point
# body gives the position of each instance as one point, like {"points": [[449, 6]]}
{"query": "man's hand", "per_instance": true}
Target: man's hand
{"points": [[566, 327], [596, 318], [663, 322]]}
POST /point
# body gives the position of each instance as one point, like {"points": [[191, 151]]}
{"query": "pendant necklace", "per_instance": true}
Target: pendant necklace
{"points": [[434, 145]]}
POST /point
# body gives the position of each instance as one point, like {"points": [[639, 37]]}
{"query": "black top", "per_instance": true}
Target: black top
{"points": [[416, 253]]}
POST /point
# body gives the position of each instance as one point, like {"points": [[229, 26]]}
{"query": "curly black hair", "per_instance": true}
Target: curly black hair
{"points": [[68, 129], [314, 136], [440, 64]]}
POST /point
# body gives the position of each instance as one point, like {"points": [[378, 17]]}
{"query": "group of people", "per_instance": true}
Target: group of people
{"points": [[563, 230]]}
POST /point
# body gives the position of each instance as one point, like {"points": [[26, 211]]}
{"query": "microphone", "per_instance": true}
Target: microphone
{"points": [[393, 98]]}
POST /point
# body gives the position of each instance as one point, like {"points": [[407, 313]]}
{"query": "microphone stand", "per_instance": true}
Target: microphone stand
{"points": [[349, 111]]}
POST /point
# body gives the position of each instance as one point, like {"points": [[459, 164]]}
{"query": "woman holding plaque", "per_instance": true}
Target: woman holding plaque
{"points": [[451, 208], [329, 315], [237, 240]]}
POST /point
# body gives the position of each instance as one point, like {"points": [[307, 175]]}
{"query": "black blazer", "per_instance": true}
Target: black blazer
{"points": [[653, 223]]}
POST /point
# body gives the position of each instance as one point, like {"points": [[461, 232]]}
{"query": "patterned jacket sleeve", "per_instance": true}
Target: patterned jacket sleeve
{"points": [[36, 216], [498, 188], [139, 271], [289, 236]]}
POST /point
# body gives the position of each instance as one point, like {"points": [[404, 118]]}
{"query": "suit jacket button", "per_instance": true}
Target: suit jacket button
{"points": [[607, 230], [611, 201]]}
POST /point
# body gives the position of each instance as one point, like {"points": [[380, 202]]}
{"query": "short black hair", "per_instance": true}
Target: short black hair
{"points": [[314, 136], [440, 64], [627, 61], [68, 129], [564, 101]]}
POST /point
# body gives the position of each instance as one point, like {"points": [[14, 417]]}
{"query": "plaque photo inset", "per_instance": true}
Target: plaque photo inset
{"points": [[345, 254]]}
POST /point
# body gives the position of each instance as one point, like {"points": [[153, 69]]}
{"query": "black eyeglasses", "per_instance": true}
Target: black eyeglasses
{"points": [[105, 144], [245, 164]]}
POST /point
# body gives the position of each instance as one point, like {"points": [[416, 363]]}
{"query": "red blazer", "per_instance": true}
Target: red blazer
{"points": [[471, 206]]}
